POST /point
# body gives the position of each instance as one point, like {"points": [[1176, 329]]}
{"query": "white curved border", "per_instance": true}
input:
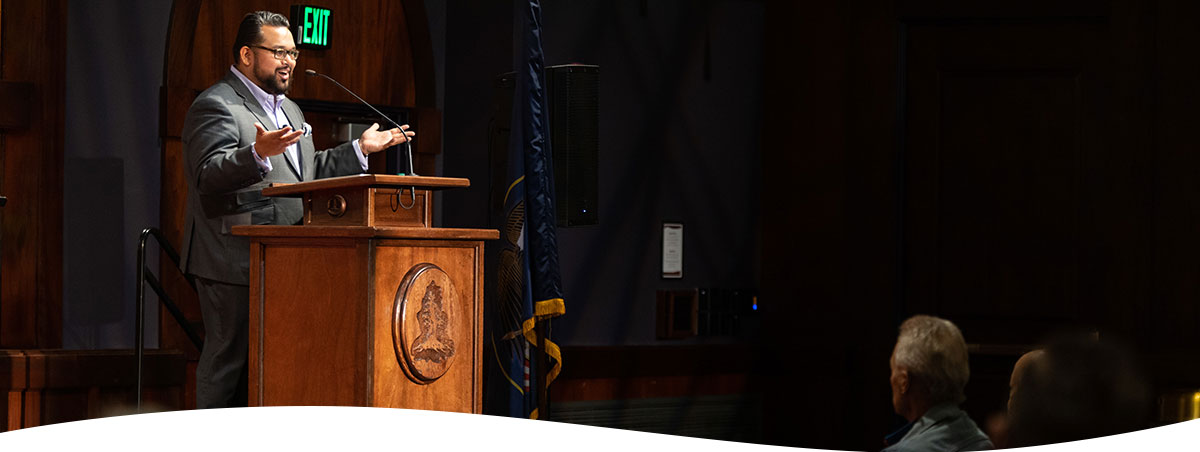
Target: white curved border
{"points": [[351, 428]]}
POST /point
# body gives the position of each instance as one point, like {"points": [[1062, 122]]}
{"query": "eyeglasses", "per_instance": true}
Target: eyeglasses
{"points": [[279, 54]]}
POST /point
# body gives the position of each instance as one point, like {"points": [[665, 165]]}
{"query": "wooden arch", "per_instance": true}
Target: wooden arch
{"points": [[381, 49]]}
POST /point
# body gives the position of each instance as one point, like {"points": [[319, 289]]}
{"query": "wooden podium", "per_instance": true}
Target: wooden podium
{"points": [[365, 303]]}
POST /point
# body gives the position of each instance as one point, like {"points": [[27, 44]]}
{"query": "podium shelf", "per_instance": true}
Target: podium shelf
{"points": [[367, 231], [367, 180]]}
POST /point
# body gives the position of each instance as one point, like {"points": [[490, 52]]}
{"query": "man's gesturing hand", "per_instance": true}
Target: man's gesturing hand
{"points": [[375, 140], [274, 142]]}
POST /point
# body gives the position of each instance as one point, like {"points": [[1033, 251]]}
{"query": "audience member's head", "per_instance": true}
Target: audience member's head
{"points": [[1020, 369], [997, 423], [1078, 387], [929, 366]]}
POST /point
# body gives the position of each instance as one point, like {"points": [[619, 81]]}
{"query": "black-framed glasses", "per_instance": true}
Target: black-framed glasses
{"points": [[279, 54]]}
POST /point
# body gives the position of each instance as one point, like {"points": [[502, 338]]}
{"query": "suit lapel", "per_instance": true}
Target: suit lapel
{"points": [[249, 101], [256, 109], [307, 151]]}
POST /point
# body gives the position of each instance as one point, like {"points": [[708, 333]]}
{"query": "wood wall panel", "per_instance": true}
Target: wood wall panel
{"points": [[707, 391], [1000, 123], [635, 372], [1018, 167], [1172, 322], [50, 386], [17, 106], [829, 260], [33, 52], [382, 51], [372, 51]]}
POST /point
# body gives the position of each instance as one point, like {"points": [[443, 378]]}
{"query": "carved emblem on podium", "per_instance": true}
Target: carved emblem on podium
{"points": [[424, 324]]}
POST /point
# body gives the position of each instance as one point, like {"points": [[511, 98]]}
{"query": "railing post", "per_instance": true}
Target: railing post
{"points": [[139, 341], [145, 276]]}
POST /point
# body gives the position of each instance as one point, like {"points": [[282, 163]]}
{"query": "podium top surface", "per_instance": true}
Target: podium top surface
{"points": [[272, 231], [367, 180]]}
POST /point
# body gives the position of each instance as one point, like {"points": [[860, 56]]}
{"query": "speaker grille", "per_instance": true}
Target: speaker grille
{"points": [[574, 120]]}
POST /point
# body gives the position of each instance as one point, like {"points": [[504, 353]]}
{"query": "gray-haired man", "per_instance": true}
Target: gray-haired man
{"points": [[929, 372]]}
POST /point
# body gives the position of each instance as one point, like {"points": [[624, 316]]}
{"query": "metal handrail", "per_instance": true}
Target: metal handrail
{"points": [[145, 276]]}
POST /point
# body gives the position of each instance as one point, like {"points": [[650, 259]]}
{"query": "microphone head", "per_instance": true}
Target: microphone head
{"points": [[310, 72]]}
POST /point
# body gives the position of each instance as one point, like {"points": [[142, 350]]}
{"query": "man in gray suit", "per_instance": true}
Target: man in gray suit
{"points": [[240, 135]]}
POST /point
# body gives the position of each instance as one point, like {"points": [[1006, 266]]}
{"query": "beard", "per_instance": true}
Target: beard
{"points": [[273, 82]]}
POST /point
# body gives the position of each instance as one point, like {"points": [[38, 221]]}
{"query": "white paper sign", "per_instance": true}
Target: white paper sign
{"points": [[672, 263]]}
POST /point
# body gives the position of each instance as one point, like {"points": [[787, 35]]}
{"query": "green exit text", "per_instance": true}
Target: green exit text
{"points": [[315, 26]]}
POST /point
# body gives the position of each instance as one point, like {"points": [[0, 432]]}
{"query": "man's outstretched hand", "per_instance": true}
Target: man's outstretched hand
{"points": [[375, 140], [276, 141]]}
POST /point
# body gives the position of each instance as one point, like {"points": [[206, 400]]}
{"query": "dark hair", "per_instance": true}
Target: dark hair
{"points": [[250, 30], [1081, 388]]}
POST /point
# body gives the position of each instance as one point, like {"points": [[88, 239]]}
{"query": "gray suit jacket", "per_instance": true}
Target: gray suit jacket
{"points": [[225, 183]]}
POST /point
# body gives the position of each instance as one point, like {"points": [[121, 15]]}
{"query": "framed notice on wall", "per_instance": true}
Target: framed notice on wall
{"points": [[672, 250]]}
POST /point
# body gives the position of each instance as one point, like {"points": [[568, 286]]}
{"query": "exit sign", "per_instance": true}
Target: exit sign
{"points": [[310, 26]]}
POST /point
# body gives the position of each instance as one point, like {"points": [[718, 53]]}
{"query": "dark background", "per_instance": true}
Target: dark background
{"points": [[680, 109]]}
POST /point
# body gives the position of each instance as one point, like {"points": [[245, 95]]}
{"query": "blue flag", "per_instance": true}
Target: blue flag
{"points": [[528, 287]]}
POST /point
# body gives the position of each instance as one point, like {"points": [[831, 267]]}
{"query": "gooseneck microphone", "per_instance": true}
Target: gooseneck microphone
{"points": [[407, 139]]}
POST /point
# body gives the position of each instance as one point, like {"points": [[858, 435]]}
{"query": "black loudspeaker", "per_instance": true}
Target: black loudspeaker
{"points": [[573, 97]]}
